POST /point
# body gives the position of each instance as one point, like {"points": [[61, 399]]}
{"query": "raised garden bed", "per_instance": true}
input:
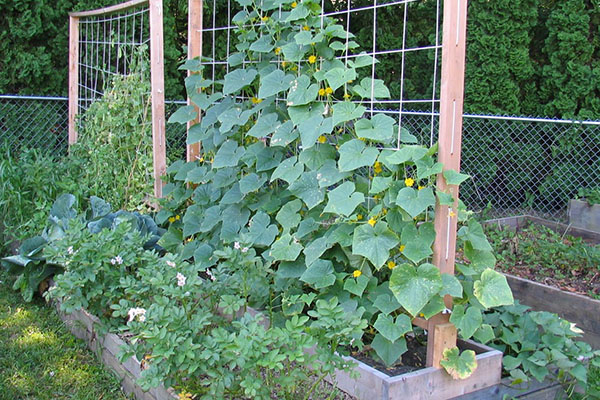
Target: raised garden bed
{"points": [[427, 383], [565, 292], [584, 216]]}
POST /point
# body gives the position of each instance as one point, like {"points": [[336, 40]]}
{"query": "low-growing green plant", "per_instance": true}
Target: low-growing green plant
{"points": [[540, 345], [30, 181], [591, 195], [32, 263], [537, 252]]}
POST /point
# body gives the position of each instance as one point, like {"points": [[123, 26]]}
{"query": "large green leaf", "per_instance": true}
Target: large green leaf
{"points": [[261, 231], [252, 182], [302, 92], [492, 290], [379, 128], [372, 88], [414, 287], [455, 178], [406, 154], [319, 274], [343, 199], [374, 243], [466, 322], [228, 155], [265, 125], [238, 79], [262, 44], [474, 234], [183, 115], [355, 154], [284, 134], [390, 329], [302, 113], [289, 170], [307, 188], [312, 128], [459, 366], [329, 174], [288, 215], [337, 77], [386, 303], [417, 243], [286, 248], [346, 111], [315, 249], [414, 201], [276, 82], [356, 286], [389, 352]]}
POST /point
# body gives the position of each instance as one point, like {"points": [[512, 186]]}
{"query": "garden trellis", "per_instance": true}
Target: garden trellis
{"points": [[103, 43], [212, 39]]}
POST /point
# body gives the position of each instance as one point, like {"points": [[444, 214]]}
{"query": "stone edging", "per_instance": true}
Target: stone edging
{"points": [[82, 325]]}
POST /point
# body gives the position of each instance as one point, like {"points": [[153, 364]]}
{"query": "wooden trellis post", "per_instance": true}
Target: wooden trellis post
{"points": [[73, 76], [194, 51], [157, 76], [441, 333]]}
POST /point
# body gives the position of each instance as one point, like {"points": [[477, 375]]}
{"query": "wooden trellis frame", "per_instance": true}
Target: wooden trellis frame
{"points": [[155, 8], [441, 333]]}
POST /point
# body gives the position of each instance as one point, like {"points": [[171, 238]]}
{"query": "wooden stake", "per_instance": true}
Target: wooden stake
{"points": [[157, 77], [194, 51], [73, 76], [450, 135]]}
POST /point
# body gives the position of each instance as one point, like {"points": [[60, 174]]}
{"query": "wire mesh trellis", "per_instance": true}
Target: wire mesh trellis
{"points": [[412, 71], [518, 165], [109, 45]]}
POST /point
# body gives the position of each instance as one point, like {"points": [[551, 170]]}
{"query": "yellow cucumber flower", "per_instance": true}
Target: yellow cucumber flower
{"points": [[409, 182], [357, 273]]}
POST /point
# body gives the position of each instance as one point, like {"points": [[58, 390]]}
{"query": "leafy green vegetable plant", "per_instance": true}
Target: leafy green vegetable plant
{"points": [[115, 143], [311, 183]]}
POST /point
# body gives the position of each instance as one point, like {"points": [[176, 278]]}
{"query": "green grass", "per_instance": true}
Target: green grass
{"points": [[40, 359]]}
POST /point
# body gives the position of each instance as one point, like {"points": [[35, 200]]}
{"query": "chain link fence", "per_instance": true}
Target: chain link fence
{"points": [[42, 122], [518, 165]]}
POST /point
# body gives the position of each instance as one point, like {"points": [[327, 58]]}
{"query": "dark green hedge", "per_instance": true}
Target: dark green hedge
{"points": [[525, 57]]}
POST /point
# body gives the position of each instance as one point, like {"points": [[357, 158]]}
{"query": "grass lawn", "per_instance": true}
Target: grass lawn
{"points": [[40, 359]]}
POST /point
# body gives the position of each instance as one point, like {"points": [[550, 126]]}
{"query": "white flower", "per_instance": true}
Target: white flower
{"points": [[180, 279], [210, 275], [245, 249], [70, 249], [137, 312], [116, 260], [171, 264], [236, 245]]}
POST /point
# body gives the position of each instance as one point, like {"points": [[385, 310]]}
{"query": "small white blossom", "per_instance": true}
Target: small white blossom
{"points": [[51, 373], [137, 312], [245, 249], [180, 279], [210, 275], [70, 249], [171, 264], [236, 245], [117, 260]]}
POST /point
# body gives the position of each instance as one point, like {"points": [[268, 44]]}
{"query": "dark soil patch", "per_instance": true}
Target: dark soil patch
{"points": [[542, 255], [412, 360]]}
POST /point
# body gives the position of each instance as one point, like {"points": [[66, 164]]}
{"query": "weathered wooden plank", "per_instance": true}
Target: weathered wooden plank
{"points": [[157, 77], [109, 10], [581, 310], [73, 77], [584, 216], [547, 390], [194, 51], [449, 139]]}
